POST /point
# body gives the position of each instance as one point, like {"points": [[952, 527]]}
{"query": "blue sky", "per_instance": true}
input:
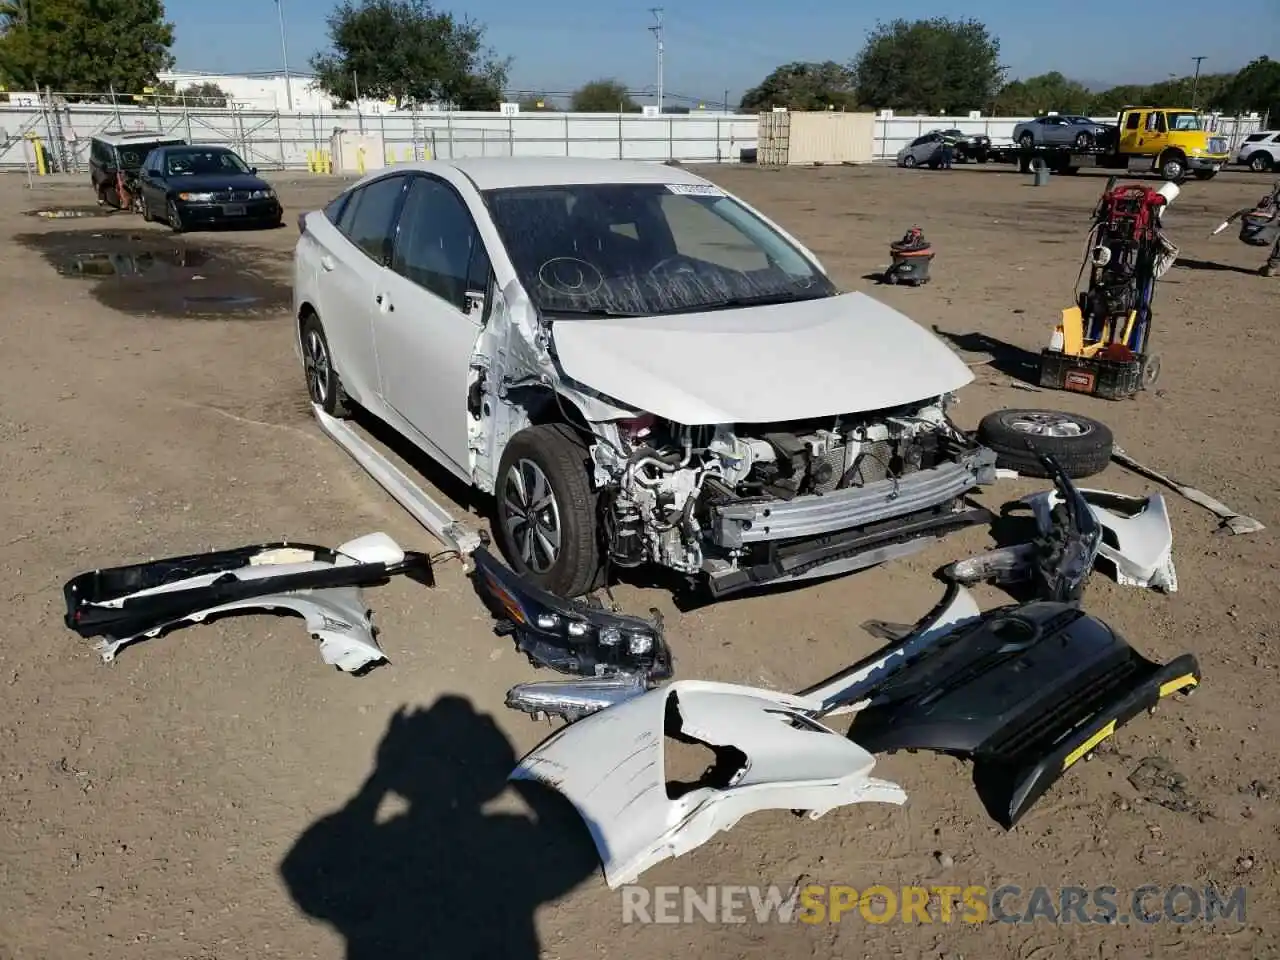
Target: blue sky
{"points": [[716, 45]]}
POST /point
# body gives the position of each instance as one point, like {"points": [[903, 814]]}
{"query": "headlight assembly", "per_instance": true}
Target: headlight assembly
{"points": [[566, 635], [196, 197]]}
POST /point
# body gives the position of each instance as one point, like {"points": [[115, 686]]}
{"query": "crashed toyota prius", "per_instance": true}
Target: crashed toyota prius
{"points": [[638, 366]]}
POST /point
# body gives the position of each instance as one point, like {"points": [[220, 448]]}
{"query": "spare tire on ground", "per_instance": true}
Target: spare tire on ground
{"points": [[1081, 445]]}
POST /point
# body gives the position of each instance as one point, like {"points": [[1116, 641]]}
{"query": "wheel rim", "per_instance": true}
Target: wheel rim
{"points": [[1049, 424], [316, 362], [1258, 164], [909, 161], [1027, 140], [173, 215], [531, 516], [1173, 169]]}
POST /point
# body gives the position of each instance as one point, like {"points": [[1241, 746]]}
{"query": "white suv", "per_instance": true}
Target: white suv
{"points": [[1260, 151]]}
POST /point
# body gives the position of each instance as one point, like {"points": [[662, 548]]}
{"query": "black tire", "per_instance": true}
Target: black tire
{"points": [[146, 210], [558, 453], [1084, 140], [1259, 162], [908, 161], [324, 387], [1081, 455], [1027, 140]]}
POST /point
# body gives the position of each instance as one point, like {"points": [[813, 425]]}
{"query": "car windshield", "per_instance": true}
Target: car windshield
{"points": [[183, 163], [1184, 121], [640, 249]]}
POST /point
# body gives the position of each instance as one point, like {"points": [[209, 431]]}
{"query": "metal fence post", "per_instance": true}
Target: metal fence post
{"points": [[448, 120], [511, 136], [566, 136], [619, 134], [280, 140]]}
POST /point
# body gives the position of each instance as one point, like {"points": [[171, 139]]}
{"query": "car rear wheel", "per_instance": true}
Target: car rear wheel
{"points": [[1260, 162], [323, 385], [546, 510], [1084, 140], [1080, 444], [1027, 140], [908, 161]]}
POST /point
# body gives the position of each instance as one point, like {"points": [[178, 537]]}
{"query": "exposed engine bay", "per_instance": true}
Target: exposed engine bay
{"points": [[674, 495]]}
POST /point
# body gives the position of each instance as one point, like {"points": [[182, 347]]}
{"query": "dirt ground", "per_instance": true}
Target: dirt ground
{"points": [[220, 793]]}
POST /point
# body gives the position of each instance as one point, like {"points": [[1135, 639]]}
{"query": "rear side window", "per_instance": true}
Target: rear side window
{"points": [[334, 210], [1255, 137], [366, 220]]}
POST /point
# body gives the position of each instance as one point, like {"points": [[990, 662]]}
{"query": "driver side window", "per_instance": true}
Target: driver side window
{"points": [[437, 245]]}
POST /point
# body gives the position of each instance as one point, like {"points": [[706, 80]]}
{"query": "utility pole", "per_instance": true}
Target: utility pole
{"points": [[656, 30], [1195, 84], [284, 54]]}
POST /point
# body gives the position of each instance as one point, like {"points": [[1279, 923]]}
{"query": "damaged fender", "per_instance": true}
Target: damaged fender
{"points": [[125, 604], [1137, 538], [770, 754]]}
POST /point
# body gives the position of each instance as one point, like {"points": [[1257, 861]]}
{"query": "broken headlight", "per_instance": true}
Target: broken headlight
{"points": [[566, 635]]}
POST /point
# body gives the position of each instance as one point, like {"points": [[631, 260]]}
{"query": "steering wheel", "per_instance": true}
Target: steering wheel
{"points": [[677, 263]]}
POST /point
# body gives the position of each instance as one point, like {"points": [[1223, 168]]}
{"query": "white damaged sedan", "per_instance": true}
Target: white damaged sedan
{"points": [[638, 366]]}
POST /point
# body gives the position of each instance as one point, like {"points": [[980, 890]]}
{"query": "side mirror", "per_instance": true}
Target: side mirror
{"points": [[254, 171], [473, 303]]}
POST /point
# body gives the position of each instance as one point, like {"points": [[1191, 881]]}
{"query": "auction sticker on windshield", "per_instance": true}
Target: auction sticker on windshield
{"points": [[695, 189]]}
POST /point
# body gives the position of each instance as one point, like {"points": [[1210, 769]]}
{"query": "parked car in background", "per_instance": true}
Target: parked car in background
{"points": [[924, 150], [1260, 151], [115, 160], [189, 186], [638, 366], [969, 146], [1062, 130]]}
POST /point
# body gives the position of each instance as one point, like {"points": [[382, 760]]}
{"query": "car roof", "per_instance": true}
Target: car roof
{"points": [[493, 173], [121, 138]]}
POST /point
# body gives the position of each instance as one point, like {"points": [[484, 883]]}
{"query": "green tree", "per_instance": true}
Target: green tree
{"points": [[929, 66], [1038, 95], [603, 96], [804, 86], [1256, 87], [196, 95], [83, 46], [407, 52]]}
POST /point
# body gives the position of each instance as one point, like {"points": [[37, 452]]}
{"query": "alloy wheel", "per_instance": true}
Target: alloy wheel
{"points": [[1049, 425], [315, 360], [532, 516]]}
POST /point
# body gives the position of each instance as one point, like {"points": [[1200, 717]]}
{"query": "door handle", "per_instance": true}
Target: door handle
{"points": [[326, 263], [385, 303]]}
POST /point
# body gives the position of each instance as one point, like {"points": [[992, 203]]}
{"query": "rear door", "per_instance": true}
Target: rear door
{"points": [[431, 304], [350, 255]]}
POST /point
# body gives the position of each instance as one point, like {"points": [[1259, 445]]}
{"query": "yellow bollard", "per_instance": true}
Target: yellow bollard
{"points": [[360, 159], [37, 146]]}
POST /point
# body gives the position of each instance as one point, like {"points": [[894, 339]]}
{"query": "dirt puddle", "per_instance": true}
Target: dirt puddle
{"points": [[163, 275]]}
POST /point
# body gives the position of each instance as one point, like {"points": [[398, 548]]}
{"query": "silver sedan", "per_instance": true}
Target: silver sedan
{"points": [[1059, 131]]}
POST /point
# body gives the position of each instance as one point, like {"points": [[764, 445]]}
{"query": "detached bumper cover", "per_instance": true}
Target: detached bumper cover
{"points": [[1024, 693], [129, 603]]}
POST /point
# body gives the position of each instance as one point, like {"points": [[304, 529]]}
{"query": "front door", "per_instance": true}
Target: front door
{"points": [[1133, 131], [430, 307]]}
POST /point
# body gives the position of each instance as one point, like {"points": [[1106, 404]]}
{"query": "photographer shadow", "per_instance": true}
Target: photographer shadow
{"points": [[440, 877]]}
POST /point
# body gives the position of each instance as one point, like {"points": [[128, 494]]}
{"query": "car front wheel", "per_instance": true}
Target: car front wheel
{"points": [[908, 161], [1260, 162], [546, 510]]}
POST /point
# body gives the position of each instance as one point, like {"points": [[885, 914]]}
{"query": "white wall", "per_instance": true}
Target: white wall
{"points": [[278, 139]]}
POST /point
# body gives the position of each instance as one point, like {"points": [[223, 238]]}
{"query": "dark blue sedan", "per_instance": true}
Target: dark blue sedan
{"points": [[188, 186]]}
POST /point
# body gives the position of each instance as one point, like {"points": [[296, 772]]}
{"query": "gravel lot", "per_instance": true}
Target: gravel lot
{"points": [[219, 793]]}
